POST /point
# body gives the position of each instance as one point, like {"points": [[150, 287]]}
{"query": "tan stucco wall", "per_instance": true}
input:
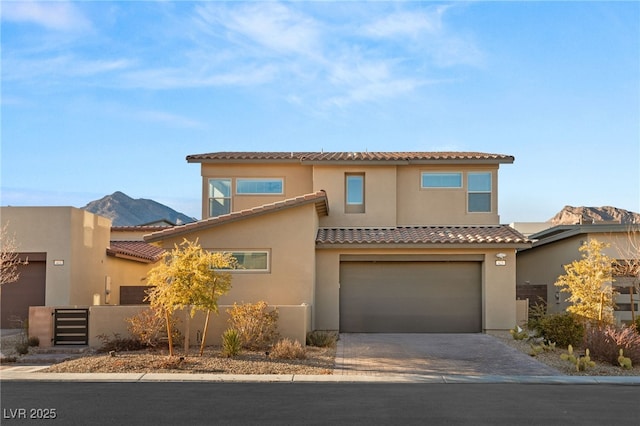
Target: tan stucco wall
{"points": [[124, 273], [545, 263], [441, 206], [297, 181], [498, 284], [75, 237], [289, 236], [379, 197]]}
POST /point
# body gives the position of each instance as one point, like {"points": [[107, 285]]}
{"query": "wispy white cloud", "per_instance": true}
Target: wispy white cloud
{"points": [[60, 16]]}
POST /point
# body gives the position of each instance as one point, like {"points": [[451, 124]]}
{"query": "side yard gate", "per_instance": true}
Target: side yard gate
{"points": [[71, 326]]}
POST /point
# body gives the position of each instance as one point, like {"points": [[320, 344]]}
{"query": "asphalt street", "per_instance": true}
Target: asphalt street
{"points": [[198, 403]]}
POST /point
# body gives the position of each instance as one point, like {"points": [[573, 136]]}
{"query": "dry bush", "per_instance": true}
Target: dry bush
{"points": [[256, 323], [287, 349], [606, 342], [322, 338], [151, 329]]}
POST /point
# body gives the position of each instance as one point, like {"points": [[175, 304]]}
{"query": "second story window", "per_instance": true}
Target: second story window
{"points": [[479, 192], [441, 180], [255, 186], [354, 193], [219, 197]]}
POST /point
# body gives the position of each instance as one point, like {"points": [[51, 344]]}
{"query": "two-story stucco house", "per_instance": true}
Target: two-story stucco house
{"points": [[370, 241]]}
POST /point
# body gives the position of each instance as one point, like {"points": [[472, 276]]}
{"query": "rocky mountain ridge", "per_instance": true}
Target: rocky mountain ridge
{"points": [[126, 211], [571, 215]]}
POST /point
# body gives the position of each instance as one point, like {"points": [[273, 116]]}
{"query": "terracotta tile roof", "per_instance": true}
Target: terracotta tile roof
{"points": [[498, 234], [311, 157], [319, 198], [139, 228], [139, 250]]}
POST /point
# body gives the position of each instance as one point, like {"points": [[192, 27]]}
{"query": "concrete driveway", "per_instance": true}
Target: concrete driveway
{"points": [[433, 354]]}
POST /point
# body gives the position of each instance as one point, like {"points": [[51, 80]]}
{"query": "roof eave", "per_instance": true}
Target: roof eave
{"points": [[342, 245]]}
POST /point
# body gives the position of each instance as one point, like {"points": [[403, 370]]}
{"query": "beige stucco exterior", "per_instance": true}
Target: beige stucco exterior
{"points": [[75, 243], [543, 263]]}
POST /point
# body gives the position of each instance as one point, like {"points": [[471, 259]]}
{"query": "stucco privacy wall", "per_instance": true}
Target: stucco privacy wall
{"points": [[74, 241], [123, 273], [293, 323], [289, 237], [297, 181], [498, 283]]}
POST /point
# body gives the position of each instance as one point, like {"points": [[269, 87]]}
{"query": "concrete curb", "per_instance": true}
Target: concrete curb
{"points": [[290, 378]]}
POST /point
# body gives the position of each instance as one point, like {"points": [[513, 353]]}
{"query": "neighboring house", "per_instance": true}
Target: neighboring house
{"points": [[72, 260], [372, 242], [540, 265]]}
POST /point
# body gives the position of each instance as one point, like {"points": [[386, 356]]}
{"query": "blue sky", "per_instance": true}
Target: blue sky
{"points": [[99, 97]]}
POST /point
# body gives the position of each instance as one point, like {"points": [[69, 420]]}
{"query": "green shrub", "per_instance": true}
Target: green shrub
{"points": [[606, 343], [537, 312], [33, 341], [256, 323], [637, 324], [231, 343], [564, 329], [322, 339], [22, 348], [287, 349]]}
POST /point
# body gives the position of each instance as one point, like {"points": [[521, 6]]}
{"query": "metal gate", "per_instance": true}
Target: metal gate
{"points": [[71, 327]]}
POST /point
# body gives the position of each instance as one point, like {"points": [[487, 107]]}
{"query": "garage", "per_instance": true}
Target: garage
{"points": [[29, 290], [411, 297]]}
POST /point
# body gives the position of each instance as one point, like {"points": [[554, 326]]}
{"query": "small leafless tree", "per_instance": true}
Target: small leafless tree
{"points": [[9, 257]]}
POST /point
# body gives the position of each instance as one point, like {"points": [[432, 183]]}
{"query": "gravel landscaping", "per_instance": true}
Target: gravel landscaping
{"points": [[318, 361]]}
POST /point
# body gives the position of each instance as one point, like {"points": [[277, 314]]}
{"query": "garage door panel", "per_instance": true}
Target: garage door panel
{"points": [[416, 297]]}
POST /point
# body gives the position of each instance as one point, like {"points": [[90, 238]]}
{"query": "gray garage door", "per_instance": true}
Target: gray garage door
{"points": [[410, 297], [29, 290]]}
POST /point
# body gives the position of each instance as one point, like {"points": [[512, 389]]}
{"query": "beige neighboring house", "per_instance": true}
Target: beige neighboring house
{"points": [[75, 258], [540, 265], [368, 242]]}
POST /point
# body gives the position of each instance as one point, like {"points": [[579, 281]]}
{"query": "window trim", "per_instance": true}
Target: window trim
{"points": [[211, 197], [267, 179], [490, 192], [459, 174], [354, 207], [242, 270]]}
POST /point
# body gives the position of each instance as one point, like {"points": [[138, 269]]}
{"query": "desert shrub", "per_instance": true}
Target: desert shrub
{"points": [[537, 312], [22, 348], [606, 342], [637, 324], [564, 329], [33, 341], [322, 339], [256, 323], [117, 343], [231, 343], [151, 329], [287, 349]]}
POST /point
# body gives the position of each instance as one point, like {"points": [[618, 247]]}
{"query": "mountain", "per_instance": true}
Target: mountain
{"points": [[125, 211], [570, 215]]}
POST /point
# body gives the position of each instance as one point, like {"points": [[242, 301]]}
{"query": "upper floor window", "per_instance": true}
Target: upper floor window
{"points": [[252, 186], [479, 192], [354, 193], [441, 180], [219, 196]]}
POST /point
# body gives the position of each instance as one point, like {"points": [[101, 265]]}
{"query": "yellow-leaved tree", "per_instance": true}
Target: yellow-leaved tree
{"points": [[189, 278], [589, 283]]}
